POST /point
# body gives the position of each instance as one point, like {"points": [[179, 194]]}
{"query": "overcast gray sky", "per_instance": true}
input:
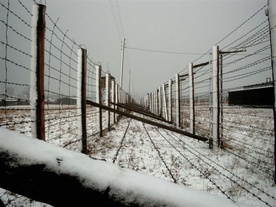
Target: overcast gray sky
{"points": [[183, 26], [186, 26]]}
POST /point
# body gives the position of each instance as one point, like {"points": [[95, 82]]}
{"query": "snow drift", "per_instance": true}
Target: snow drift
{"points": [[57, 176]]}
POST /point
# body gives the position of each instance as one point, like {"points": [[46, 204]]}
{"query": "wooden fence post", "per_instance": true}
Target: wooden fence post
{"points": [[177, 100], [37, 72], [81, 98], [99, 96], [192, 99], [107, 99]]}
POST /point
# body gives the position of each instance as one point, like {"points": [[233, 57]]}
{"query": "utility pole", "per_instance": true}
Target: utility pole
{"points": [[129, 81], [122, 62]]}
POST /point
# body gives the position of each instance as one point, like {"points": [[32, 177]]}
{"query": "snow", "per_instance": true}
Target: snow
{"points": [[184, 159], [33, 81], [94, 173]]}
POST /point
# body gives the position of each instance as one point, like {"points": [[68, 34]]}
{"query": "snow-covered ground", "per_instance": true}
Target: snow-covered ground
{"points": [[243, 172]]}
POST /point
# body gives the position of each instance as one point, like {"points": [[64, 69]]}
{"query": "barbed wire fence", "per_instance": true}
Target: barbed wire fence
{"points": [[245, 132], [60, 83], [232, 106]]}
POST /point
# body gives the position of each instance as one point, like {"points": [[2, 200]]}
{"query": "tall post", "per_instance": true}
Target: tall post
{"points": [[107, 99], [148, 105], [177, 100], [150, 102], [215, 96], [99, 97], [116, 100], [129, 81], [81, 98], [37, 71], [165, 101], [210, 104], [160, 102], [272, 31], [170, 100], [122, 62], [221, 101], [153, 102], [192, 99], [113, 99]]}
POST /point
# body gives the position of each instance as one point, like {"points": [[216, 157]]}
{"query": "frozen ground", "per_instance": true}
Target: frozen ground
{"points": [[243, 172]]}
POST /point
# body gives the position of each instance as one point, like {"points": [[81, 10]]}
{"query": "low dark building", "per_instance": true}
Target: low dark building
{"points": [[13, 102], [253, 96], [67, 101]]}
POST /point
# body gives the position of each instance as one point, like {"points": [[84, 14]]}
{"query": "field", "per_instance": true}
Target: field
{"points": [[243, 171]]}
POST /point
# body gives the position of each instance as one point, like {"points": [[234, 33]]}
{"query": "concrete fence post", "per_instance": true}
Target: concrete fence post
{"points": [[192, 99], [215, 97], [37, 72], [99, 97], [107, 99], [170, 100], [177, 100]]}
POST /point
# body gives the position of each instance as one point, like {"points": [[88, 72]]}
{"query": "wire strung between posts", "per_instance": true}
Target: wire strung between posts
{"points": [[16, 49], [200, 171], [247, 115], [121, 143], [237, 143], [253, 194], [242, 23], [245, 75], [265, 21], [259, 148], [249, 55], [25, 7], [202, 155], [159, 154], [10, 11], [248, 126]]}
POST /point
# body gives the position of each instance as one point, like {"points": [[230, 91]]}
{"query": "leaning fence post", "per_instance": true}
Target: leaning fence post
{"points": [[177, 100], [37, 71], [81, 98], [107, 97], [99, 96], [192, 99]]}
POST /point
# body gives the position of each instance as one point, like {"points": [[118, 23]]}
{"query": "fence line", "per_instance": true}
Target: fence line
{"points": [[184, 100], [241, 89], [58, 95]]}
